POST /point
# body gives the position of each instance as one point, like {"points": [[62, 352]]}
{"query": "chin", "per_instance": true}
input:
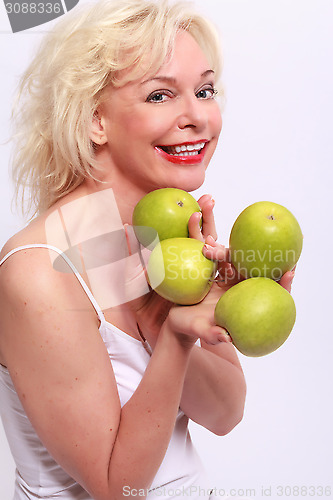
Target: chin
{"points": [[190, 181], [192, 186]]}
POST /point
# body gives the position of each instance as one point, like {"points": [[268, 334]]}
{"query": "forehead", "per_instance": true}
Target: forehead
{"points": [[185, 51], [186, 64], [186, 54]]}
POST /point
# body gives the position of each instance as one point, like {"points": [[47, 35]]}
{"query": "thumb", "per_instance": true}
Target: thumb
{"points": [[286, 280]]}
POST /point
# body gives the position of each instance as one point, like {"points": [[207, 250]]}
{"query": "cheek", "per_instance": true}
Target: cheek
{"points": [[216, 120], [153, 121], [156, 124], [144, 126]]}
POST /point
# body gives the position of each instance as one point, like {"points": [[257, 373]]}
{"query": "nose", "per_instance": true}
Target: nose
{"points": [[192, 114]]}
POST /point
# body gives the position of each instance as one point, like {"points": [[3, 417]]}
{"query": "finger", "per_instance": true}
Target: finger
{"points": [[214, 251], [207, 204], [286, 280], [216, 335], [194, 227], [227, 274], [200, 326]]}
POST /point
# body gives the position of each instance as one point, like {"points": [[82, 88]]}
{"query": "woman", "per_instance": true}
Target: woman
{"points": [[110, 95]]}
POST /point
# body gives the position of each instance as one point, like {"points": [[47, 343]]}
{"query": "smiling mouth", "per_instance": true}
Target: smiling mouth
{"points": [[183, 153]]}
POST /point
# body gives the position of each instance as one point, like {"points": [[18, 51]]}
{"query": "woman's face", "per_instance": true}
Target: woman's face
{"points": [[162, 131]]}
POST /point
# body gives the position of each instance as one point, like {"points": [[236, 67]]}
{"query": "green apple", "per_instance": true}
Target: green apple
{"points": [[258, 314], [265, 240], [163, 213], [178, 271]]}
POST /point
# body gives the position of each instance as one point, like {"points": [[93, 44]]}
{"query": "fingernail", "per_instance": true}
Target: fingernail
{"points": [[210, 240], [208, 247], [224, 337]]}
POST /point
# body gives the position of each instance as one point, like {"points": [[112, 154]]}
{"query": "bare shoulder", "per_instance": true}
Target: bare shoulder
{"points": [[18, 266], [33, 290], [29, 276], [25, 268]]}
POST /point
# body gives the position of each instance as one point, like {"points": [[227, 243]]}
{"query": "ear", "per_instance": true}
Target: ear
{"points": [[97, 130]]}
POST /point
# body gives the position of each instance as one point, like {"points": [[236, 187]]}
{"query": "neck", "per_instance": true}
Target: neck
{"points": [[126, 190], [126, 195]]}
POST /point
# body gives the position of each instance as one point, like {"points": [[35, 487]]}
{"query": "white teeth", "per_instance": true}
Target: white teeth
{"points": [[185, 153], [185, 148]]}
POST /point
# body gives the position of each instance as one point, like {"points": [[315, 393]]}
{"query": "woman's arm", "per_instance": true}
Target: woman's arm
{"points": [[62, 373], [214, 387]]}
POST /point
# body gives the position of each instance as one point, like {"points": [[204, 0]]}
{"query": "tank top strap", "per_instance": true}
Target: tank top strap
{"points": [[70, 264]]}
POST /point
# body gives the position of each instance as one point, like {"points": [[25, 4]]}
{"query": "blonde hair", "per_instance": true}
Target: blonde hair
{"points": [[63, 86]]}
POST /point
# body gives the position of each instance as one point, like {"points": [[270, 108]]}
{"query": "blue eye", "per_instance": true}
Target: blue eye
{"points": [[156, 98], [159, 96], [208, 93]]}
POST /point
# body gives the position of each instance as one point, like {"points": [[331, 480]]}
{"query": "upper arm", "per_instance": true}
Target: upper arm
{"points": [[59, 365]]}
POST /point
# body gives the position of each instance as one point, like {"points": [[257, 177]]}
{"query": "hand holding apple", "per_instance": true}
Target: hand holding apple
{"points": [[227, 275], [151, 310], [212, 249], [197, 321], [177, 269], [198, 228]]}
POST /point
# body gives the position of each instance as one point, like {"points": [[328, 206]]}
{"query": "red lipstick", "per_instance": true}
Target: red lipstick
{"points": [[180, 159]]}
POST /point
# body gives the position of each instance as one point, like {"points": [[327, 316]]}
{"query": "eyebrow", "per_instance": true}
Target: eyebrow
{"points": [[172, 80]]}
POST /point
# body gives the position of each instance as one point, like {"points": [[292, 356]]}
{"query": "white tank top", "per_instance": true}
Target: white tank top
{"points": [[38, 476]]}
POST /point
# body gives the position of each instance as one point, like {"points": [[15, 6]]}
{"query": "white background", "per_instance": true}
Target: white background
{"points": [[276, 145]]}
